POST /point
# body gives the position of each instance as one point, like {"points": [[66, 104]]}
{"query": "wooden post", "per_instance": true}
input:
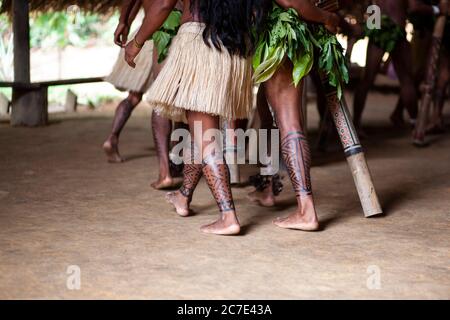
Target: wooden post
{"points": [[4, 105], [71, 102], [353, 151], [29, 106], [428, 87]]}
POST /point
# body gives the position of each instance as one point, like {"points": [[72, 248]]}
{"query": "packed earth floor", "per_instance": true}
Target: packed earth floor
{"points": [[64, 212]]}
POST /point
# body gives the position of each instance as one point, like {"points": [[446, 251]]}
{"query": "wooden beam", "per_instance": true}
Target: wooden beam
{"points": [[29, 106], [51, 83]]}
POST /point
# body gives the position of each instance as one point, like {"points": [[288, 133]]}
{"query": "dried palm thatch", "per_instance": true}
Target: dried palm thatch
{"points": [[98, 6]]}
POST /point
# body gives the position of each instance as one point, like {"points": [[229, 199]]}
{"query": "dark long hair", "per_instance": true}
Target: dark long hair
{"points": [[232, 24]]}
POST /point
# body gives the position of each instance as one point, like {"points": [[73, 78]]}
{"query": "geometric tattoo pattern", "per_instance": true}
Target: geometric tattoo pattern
{"points": [[297, 156], [191, 176], [344, 125], [217, 177], [192, 172]]}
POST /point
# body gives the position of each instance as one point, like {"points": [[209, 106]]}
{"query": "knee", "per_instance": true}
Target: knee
{"points": [[134, 98]]}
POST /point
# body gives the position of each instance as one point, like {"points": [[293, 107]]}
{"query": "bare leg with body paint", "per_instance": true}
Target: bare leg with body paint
{"points": [[217, 177], [285, 100], [192, 172]]}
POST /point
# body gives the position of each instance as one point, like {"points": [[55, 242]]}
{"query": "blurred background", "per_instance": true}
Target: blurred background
{"points": [[66, 45], [78, 44]]}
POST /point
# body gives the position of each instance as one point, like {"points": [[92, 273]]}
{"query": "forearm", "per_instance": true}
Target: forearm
{"points": [[156, 12], [307, 10], [125, 10], [134, 11]]}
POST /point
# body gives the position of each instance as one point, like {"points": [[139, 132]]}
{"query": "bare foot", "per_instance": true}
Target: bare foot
{"points": [[264, 198], [305, 218], [297, 222], [112, 151], [227, 225], [166, 183], [180, 203]]}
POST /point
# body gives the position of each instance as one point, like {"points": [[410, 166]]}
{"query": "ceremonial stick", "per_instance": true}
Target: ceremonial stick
{"points": [[353, 151], [349, 139], [427, 88]]}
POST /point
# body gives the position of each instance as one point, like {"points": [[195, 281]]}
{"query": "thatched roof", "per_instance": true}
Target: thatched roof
{"points": [[99, 6]]}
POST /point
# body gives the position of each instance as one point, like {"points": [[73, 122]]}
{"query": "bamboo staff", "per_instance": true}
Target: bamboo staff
{"points": [[428, 87], [353, 151], [350, 140]]}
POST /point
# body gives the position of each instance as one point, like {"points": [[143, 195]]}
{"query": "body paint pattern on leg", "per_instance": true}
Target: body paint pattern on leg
{"points": [[192, 172], [217, 176], [297, 156]]}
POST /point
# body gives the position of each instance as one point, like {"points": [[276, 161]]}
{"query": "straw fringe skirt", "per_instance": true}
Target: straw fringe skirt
{"points": [[199, 78], [139, 79]]}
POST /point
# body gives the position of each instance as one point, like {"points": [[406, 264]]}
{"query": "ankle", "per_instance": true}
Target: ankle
{"points": [[113, 138], [163, 177], [185, 194], [229, 216], [306, 206]]}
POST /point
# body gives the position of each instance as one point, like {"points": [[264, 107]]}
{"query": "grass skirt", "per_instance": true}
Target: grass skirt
{"points": [[201, 78], [139, 79]]}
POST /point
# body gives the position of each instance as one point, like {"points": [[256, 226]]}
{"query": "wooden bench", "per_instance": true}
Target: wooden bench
{"points": [[30, 100]]}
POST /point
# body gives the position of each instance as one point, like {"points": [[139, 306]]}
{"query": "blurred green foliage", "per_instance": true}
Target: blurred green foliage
{"points": [[61, 29]]}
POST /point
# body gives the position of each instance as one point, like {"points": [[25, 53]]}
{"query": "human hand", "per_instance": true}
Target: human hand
{"points": [[121, 34], [131, 52], [332, 23]]}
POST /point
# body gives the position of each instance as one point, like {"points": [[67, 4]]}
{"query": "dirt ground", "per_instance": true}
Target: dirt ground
{"points": [[62, 205]]}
